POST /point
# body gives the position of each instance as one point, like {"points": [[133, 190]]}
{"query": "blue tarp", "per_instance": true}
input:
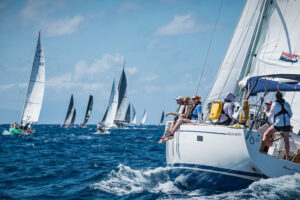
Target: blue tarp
{"points": [[259, 84]]}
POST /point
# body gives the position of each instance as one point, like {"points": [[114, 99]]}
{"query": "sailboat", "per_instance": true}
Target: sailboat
{"points": [[264, 48], [88, 112], [110, 113], [144, 117], [122, 100], [35, 93], [127, 116], [162, 118], [71, 114], [133, 121]]}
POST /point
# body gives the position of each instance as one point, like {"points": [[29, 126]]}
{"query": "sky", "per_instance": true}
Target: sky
{"points": [[85, 42]]}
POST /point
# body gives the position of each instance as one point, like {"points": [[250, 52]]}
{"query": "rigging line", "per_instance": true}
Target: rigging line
{"points": [[209, 46], [238, 53]]}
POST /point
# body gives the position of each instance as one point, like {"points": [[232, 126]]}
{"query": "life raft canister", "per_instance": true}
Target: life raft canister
{"points": [[216, 110], [244, 115]]}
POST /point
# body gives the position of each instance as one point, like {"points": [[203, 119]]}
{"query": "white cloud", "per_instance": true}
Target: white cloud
{"points": [[181, 24], [131, 70], [62, 26], [155, 44], [128, 5], [6, 86], [148, 78], [99, 66]]}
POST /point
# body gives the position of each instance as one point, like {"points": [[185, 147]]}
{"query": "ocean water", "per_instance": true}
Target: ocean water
{"points": [[75, 163]]}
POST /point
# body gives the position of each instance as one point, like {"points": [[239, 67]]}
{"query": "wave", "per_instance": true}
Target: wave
{"points": [[5, 132], [124, 181]]}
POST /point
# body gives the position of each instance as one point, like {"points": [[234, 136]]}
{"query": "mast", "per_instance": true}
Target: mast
{"points": [[35, 91]]}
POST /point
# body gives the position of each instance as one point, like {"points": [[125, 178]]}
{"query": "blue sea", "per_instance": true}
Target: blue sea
{"points": [[76, 163]]}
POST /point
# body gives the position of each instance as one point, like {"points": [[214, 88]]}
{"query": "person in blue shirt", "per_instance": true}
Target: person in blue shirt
{"points": [[194, 114]]}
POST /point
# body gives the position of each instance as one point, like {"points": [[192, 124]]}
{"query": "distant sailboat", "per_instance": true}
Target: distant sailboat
{"points": [[35, 93], [162, 118], [122, 99], [144, 117], [71, 114], [127, 116], [109, 116], [133, 121], [88, 112]]}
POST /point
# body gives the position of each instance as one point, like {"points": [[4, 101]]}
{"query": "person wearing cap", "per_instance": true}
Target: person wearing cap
{"points": [[183, 117], [170, 124], [279, 114]]}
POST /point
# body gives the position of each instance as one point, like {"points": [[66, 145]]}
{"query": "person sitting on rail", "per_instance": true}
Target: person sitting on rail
{"points": [[182, 117], [227, 111], [280, 114], [170, 124]]}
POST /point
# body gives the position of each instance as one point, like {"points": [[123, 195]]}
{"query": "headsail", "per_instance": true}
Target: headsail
{"points": [[162, 118], [144, 117], [36, 87], [133, 121], [122, 100], [127, 116], [88, 110], [233, 64], [104, 116], [112, 107], [70, 113]]}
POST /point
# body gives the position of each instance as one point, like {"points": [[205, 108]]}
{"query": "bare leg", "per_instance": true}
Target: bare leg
{"points": [[176, 126], [286, 144], [269, 132], [169, 125]]}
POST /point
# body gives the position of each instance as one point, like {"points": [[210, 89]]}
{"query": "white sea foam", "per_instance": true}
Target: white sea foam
{"points": [[124, 181], [5, 132]]}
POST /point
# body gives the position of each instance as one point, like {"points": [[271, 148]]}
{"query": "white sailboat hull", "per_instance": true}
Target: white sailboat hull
{"points": [[269, 165], [210, 156]]}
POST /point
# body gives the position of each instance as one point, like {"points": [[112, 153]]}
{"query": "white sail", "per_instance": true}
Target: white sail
{"points": [[281, 33], [144, 117], [133, 122], [36, 87], [231, 68], [112, 107], [122, 99]]}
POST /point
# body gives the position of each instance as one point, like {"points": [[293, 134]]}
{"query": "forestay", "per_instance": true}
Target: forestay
{"points": [[36, 87]]}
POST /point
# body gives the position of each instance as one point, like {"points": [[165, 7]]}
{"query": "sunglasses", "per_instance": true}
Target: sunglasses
{"points": [[194, 98]]}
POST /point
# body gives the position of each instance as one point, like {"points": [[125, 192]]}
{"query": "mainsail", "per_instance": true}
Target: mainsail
{"points": [[122, 100], [277, 47], [36, 87], [162, 118], [70, 117], [127, 116], [144, 117], [237, 53], [88, 110], [112, 107], [133, 121]]}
